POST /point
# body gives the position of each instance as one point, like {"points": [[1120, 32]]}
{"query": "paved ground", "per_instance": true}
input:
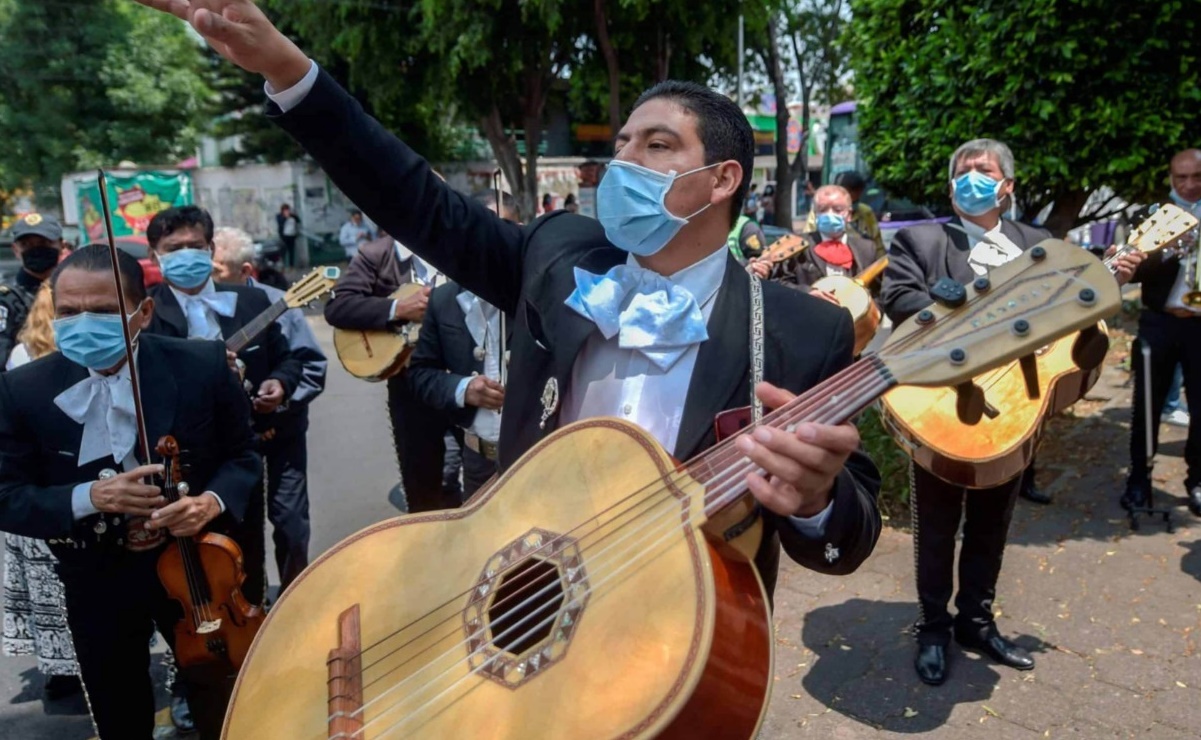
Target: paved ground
{"points": [[1111, 615]]}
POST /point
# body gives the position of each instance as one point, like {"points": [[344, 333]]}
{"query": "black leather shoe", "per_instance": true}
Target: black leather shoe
{"points": [[998, 648], [181, 714], [931, 664], [1035, 495], [1136, 495], [1194, 500]]}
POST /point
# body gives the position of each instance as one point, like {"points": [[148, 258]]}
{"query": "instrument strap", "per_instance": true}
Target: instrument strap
{"points": [[756, 346]]}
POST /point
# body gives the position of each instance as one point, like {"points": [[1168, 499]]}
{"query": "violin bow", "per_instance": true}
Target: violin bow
{"points": [[504, 363], [143, 438]]}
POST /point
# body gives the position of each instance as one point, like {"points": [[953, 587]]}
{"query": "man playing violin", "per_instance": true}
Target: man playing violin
{"points": [[71, 472], [667, 202]]}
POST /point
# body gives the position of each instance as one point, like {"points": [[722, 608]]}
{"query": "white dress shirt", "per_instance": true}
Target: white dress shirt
{"points": [[1181, 286], [483, 323], [202, 319], [988, 249], [610, 381]]}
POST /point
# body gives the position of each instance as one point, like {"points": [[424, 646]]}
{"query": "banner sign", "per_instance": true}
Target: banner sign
{"points": [[135, 199]]}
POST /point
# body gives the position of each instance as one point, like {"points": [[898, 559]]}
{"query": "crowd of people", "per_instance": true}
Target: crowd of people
{"points": [[661, 312]]}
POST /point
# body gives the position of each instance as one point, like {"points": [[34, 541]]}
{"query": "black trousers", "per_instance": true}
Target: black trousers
{"points": [[1172, 341], [287, 461], [289, 243], [477, 470], [113, 607], [251, 536], [938, 508], [419, 434]]}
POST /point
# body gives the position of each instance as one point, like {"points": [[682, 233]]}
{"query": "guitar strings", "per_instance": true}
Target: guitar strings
{"points": [[733, 486], [721, 453], [730, 485], [199, 610]]}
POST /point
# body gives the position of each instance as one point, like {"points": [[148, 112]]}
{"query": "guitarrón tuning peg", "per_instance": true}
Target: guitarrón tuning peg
{"points": [[1029, 366], [949, 293], [1088, 351], [969, 402]]}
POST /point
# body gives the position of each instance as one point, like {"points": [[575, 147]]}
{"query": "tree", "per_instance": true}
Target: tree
{"points": [[812, 30], [1088, 93], [92, 84]]}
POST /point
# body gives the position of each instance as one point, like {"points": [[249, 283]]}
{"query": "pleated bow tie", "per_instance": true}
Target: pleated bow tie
{"points": [[222, 303], [104, 405], [646, 311]]}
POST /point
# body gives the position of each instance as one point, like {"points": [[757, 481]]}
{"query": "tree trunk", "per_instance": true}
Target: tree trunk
{"points": [[610, 54], [533, 101], [1065, 214], [784, 173], [504, 148], [663, 55]]}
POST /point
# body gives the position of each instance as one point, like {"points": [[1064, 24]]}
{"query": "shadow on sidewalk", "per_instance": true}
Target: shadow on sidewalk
{"points": [[1191, 562], [864, 667]]}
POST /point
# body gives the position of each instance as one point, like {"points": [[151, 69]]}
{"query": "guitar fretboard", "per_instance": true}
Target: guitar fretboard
{"points": [[256, 327]]}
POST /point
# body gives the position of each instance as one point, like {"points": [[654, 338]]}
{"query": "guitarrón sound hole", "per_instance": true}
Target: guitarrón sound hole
{"points": [[524, 606]]}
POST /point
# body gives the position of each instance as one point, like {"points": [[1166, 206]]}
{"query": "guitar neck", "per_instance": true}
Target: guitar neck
{"points": [[834, 401], [872, 271], [247, 333]]}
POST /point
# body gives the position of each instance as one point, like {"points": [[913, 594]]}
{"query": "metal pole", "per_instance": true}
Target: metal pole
{"points": [[741, 54]]}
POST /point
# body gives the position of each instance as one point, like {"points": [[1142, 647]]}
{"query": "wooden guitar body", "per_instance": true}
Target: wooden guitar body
{"points": [[854, 297], [228, 624], [377, 355], [554, 604], [996, 449]]}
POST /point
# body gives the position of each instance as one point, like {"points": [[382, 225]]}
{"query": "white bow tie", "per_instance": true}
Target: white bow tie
{"points": [[104, 405], [221, 303]]}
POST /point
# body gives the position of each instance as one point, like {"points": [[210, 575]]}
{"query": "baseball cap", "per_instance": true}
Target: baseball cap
{"points": [[35, 224]]}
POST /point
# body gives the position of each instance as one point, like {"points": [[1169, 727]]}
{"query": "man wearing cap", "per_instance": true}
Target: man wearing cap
{"points": [[38, 243]]}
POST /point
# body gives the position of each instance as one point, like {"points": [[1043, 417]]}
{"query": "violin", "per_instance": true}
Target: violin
{"points": [[204, 574]]}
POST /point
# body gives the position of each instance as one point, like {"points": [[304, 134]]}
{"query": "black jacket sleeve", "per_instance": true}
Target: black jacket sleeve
{"points": [[285, 364], [430, 375], [241, 468], [355, 304], [26, 508], [399, 191], [904, 291]]}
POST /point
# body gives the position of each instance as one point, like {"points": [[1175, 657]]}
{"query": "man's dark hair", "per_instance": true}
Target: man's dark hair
{"points": [[721, 126], [285, 205], [96, 258], [172, 220], [355, 212], [487, 198], [850, 180]]}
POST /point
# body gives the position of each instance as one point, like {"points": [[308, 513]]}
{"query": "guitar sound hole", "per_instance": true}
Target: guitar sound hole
{"points": [[524, 606]]}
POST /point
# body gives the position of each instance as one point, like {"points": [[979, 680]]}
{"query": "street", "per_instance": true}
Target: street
{"points": [[1111, 615]]}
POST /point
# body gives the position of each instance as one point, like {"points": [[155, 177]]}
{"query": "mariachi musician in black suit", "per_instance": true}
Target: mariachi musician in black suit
{"points": [[189, 304], [71, 473], [981, 180], [667, 203]]}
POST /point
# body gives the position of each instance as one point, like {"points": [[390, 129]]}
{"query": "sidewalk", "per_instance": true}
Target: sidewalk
{"points": [[1111, 615]]}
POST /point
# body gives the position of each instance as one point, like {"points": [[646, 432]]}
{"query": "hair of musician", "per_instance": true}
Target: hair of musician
{"points": [[508, 204], [233, 247], [95, 258], [723, 129], [976, 147], [172, 220], [852, 180]]}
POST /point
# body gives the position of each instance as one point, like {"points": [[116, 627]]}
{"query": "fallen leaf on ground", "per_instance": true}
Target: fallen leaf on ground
{"points": [[1181, 685], [910, 713], [991, 711]]}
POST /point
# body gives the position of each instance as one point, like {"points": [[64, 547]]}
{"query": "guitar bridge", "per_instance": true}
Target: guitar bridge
{"points": [[346, 678]]}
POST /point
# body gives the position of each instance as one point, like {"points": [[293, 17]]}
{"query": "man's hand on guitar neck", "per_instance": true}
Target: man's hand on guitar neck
{"points": [[241, 33], [760, 267], [800, 466], [412, 308], [1124, 266]]}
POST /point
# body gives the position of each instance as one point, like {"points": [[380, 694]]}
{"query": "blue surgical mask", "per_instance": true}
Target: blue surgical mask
{"points": [[1179, 200], [187, 268], [630, 205], [94, 340], [976, 193], [831, 225]]}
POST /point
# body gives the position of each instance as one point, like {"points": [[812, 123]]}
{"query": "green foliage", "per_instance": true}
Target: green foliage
{"points": [[892, 462], [1087, 93], [92, 84]]}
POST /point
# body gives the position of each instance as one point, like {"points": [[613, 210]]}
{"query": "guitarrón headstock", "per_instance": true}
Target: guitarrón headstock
{"points": [[1161, 229], [1051, 290], [785, 247], [312, 286]]}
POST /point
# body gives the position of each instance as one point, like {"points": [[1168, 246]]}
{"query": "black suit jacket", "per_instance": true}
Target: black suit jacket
{"points": [[188, 392], [361, 298], [807, 268], [527, 272], [920, 256], [268, 356], [444, 355]]}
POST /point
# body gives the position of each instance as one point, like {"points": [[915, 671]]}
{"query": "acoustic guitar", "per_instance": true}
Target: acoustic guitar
{"points": [[303, 292], [598, 589], [377, 355], [853, 295], [984, 434], [784, 248]]}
